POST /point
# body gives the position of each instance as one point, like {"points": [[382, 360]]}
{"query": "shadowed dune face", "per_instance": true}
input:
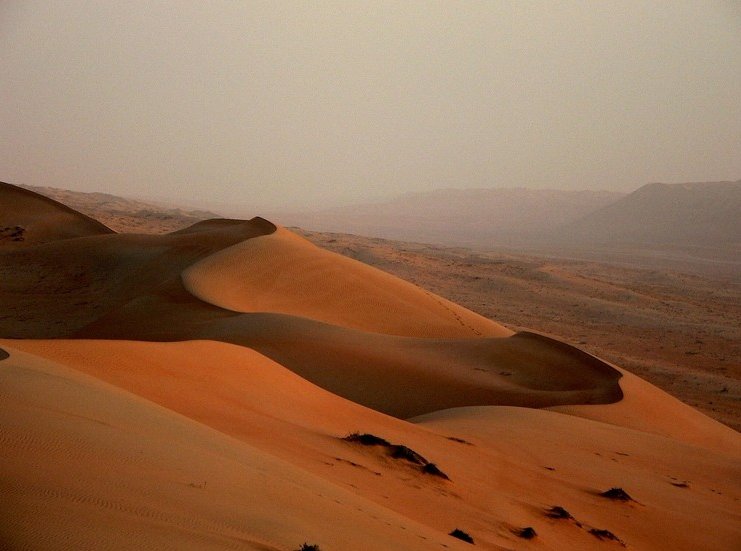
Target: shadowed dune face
{"points": [[54, 289], [27, 218], [405, 377]]}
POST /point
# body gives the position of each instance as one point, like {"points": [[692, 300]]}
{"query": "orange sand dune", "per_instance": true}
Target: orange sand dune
{"points": [[647, 408], [229, 434], [401, 376], [252, 457], [284, 273], [685, 496], [404, 376], [86, 465]]}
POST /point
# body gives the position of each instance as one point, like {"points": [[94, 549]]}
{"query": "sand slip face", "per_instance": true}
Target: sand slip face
{"points": [[284, 273], [404, 376]]}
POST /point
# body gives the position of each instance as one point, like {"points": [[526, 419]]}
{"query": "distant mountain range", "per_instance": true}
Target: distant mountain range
{"points": [[700, 214], [459, 216], [707, 213]]}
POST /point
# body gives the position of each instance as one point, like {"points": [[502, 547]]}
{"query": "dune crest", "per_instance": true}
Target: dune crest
{"points": [[284, 273]]}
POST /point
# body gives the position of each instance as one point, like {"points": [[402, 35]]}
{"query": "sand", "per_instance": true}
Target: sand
{"points": [[205, 444], [193, 391]]}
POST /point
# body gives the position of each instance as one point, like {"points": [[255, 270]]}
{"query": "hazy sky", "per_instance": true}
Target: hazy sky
{"points": [[269, 104]]}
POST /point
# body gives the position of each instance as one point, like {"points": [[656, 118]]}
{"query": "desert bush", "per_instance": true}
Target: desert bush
{"points": [[558, 512], [461, 535], [527, 533], [366, 439], [602, 534], [402, 452], [433, 469], [617, 494]]}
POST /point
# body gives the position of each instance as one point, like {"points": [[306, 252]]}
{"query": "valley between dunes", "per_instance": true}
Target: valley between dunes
{"points": [[195, 390]]}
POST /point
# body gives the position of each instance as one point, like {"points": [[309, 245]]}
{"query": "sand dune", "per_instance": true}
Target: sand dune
{"points": [[192, 391], [130, 474], [30, 218], [222, 478], [284, 273], [55, 289], [123, 214], [647, 408]]}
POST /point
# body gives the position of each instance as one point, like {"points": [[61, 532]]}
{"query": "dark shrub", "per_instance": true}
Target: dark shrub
{"points": [[558, 512], [408, 454], [527, 533], [366, 439], [432, 469], [605, 535], [461, 535], [617, 494]]}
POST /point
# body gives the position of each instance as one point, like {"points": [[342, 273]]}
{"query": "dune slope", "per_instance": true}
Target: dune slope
{"points": [[29, 218], [181, 441], [284, 273], [130, 474]]}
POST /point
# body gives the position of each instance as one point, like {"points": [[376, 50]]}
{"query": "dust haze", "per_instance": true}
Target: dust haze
{"points": [[243, 106]]}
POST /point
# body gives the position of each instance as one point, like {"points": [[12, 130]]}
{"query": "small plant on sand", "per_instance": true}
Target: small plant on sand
{"points": [[433, 469], [402, 452], [527, 533], [461, 535], [396, 451], [605, 535], [558, 512], [308, 547], [366, 439], [617, 494]]}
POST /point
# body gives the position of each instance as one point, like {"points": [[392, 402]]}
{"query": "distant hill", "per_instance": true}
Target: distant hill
{"points": [[126, 215], [477, 217], [705, 214]]}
